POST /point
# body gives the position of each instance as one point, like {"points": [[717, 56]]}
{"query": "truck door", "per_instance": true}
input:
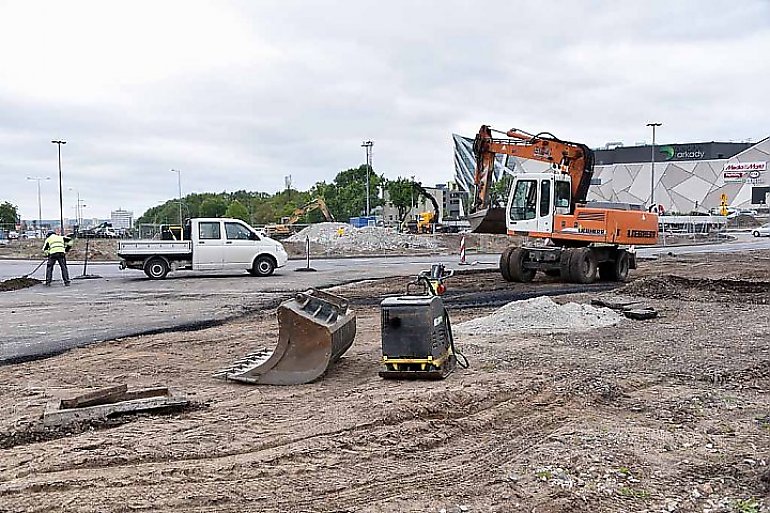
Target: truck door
{"points": [[208, 248], [241, 246]]}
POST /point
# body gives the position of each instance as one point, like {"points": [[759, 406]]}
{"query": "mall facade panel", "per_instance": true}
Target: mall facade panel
{"points": [[688, 177]]}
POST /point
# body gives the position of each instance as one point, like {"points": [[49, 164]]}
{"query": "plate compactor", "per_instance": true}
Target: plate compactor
{"points": [[315, 330], [417, 340]]}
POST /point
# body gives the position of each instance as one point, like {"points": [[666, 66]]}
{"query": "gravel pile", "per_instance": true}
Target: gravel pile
{"points": [[540, 315], [370, 238]]}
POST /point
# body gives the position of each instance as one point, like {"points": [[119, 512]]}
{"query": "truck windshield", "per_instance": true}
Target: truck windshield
{"points": [[562, 194], [524, 204]]}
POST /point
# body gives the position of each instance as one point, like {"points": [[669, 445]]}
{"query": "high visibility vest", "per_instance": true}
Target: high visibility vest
{"points": [[55, 244]]}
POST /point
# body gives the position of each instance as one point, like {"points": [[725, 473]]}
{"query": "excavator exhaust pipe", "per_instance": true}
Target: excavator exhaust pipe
{"points": [[490, 220], [315, 329]]}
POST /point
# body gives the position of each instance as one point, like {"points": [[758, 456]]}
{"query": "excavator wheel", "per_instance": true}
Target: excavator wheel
{"points": [[516, 266], [582, 266], [617, 269], [504, 265]]}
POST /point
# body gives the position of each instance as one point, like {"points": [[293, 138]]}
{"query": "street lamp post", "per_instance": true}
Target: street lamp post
{"points": [[78, 213], [39, 179], [181, 221], [652, 171], [368, 146], [61, 194]]}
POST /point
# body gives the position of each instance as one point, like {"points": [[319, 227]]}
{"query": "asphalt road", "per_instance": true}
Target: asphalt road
{"points": [[39, 320], [47, 320]]}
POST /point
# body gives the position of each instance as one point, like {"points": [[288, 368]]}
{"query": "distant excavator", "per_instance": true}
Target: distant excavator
{"points": [[428, 221], [579, 238], [285, 228]]}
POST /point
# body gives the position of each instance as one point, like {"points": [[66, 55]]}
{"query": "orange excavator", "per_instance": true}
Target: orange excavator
{"points": [[578, 239]]}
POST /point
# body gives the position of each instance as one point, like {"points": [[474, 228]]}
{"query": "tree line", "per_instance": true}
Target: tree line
{"points": [[345, 196]]}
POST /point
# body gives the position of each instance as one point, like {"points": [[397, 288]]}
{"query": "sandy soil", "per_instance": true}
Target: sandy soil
{"points": [[671, 414]]}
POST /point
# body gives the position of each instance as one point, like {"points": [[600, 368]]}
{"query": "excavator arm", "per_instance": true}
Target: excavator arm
{"points": [[316, 204], [436, 209], [574, 159]]}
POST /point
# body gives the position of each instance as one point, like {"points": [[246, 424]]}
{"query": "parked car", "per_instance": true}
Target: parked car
{"points": [[762, 231]]}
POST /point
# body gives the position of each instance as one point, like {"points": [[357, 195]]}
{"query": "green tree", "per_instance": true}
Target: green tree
{"points": [[401, 194], [215, 206], [498, 194], [9, 215], [236, 210], [346, 196]]}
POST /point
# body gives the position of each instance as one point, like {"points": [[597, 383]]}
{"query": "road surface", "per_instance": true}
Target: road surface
{"points": [[39, 320]]}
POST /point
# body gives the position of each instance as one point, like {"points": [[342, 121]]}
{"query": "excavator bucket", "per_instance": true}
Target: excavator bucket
{"points": [[490, 220], [315, 329]]}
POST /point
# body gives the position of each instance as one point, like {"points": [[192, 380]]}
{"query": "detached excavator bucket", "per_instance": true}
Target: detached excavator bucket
{"points": [[491, 220], [315, 330]]}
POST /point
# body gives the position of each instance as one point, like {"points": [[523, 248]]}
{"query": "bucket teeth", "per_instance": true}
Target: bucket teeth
{"points": [[315, 329]]}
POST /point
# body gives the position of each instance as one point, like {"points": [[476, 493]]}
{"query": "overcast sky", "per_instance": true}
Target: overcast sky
{"points": [[238, 95]]}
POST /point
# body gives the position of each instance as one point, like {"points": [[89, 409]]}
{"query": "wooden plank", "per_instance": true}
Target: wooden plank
{"points": [[58, 418], [145, 393], [100, 396]]}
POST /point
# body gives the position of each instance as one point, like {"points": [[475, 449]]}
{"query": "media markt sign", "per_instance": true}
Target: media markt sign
{"points": [[688, 152], [746, 172]]}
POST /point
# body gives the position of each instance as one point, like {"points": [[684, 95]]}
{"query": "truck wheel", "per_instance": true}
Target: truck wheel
{"points": [[582, 266], [616, 270], [504, 265], [755, 233], [516, 266], [263, 266], [156, 268]]}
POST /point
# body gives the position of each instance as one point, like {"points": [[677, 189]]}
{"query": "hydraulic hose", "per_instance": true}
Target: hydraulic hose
{"points": [[462, 361]]}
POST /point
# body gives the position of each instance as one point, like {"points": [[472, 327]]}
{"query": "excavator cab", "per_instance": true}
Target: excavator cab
{"points": [[534, 200]]}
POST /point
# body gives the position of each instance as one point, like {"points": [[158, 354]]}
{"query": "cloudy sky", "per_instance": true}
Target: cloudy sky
{"points": [[238, 95]]}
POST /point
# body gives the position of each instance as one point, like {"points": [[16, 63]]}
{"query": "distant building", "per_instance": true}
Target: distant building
{"points": [[122, 219], [688, 177]]}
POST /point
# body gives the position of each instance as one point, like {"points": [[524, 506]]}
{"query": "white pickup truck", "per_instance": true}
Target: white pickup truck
{"points": [[209, 244]]}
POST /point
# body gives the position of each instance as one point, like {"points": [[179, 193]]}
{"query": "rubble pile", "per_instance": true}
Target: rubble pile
{"points": [[540, 315], [346, 237]]}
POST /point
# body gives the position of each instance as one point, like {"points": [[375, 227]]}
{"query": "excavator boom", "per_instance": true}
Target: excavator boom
{"points": [[573, 159]]}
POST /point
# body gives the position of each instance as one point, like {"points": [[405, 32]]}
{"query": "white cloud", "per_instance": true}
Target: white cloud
{"points": [[239, 94]]}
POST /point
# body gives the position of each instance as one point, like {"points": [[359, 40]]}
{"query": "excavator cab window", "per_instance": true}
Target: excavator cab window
{"points": [[545, 198], [524, 203], [562, 194]]}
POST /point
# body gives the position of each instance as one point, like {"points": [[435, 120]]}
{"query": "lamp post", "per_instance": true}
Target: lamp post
{"points": [[39, 179], [652, 171], [78, 211], [368, 146], [61, 194], [179, 183]]}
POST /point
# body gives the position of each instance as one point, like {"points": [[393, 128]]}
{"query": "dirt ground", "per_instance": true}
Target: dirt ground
{"points": [[670, 414]]}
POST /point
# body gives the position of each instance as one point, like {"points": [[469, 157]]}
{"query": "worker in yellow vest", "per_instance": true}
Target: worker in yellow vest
{"points": [[55, 248]]}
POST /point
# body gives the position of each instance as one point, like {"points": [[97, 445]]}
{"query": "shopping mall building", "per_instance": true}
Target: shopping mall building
{"points": [[688, 177]]}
